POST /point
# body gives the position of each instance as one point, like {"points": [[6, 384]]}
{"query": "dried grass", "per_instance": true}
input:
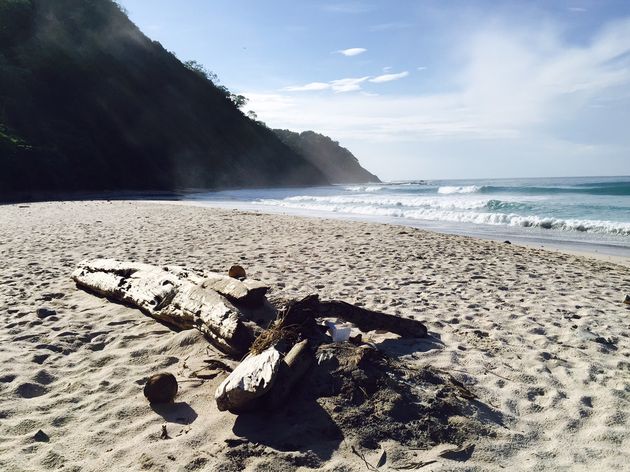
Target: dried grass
{"points": [[273, 335]]}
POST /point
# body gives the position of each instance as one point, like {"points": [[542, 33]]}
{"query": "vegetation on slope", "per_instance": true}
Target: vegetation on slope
{"points": [[88, 103], [336, 162]]}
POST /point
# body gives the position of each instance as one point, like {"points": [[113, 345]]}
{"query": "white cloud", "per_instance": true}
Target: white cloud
{"points": [[509, 83], [421, 68], [389, 77], [578, 9], [347, 85], [308, 87], [351, 51], [516, 91], [350, 84], [387, 69]]}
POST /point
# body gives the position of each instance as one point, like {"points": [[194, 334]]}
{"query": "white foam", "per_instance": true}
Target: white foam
{"points": [[447, 190], [419, 208], [377, 201], [364, 188]]}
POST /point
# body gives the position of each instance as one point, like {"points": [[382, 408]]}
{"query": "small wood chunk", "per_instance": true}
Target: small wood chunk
{"points": [[257, 290], [251, 379]]}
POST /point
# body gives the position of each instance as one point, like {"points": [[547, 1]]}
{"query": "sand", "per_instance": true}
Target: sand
{"points": [[540, 337]]}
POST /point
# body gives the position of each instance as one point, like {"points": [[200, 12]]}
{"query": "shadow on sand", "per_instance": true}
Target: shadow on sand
{"points": [[405, 346], [305, 426], [179, 412]]}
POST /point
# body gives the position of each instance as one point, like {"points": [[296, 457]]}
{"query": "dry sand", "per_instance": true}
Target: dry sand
{"points": [[541, 337]]}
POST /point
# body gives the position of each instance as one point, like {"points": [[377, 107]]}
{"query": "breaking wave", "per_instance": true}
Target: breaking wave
{"points": [[476, 210], [364, 188], [448, 190]]}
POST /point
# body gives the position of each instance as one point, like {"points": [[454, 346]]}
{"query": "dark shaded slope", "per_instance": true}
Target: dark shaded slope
{"points": [[337, 163], [88, 103]]}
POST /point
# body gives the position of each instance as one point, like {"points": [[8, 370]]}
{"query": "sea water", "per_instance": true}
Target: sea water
{"points": [[578, 211]]}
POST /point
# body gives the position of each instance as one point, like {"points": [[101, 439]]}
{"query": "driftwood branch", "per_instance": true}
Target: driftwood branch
{"points": [[310, 307], [368, 320], [292, 368]]}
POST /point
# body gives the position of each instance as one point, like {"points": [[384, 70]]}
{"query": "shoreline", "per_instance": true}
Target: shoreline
{"points": [[599, 251], [539, 337], [597, 246]]}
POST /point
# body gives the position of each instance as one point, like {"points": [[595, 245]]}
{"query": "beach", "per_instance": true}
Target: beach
{"points": [[541, 337]]}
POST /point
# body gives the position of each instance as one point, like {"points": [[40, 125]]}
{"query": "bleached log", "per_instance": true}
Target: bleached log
{"points": [[251, 379], [214, 316], [171, 294], [144, 286]]}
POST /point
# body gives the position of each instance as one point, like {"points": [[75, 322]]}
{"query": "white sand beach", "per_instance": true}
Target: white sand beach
{"points": [[540, 337]]}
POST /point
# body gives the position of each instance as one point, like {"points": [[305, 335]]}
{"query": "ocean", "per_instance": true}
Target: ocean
{"points": [[591, 213]]}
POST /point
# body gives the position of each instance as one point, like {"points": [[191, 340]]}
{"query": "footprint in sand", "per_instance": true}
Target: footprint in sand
{"points": [[40, 358], [30, 390], [44, 378]]}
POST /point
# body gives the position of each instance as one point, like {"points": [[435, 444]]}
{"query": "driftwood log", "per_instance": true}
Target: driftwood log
{"points": [[225, 310], [222, 307], [178, 297]]}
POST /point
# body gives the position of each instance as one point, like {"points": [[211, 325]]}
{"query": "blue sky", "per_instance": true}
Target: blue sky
{"points": [[424, 89]]}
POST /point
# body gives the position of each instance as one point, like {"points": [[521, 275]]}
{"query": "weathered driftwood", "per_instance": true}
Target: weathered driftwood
{"points": [[246, 292], [147, 287], [173, 295], [251, 379], [291, 370], [222, 307], [300, 312], [212, 314]]}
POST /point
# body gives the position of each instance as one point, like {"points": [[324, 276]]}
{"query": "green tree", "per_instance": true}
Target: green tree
{"points": [[239, 100], [201, 71]]}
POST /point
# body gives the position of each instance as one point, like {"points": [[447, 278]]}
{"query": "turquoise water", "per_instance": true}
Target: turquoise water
{"points": [[589, 209]]}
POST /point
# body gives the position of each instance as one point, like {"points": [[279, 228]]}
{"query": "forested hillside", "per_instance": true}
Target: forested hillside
{"points": [[88, 103], [337, 163]]}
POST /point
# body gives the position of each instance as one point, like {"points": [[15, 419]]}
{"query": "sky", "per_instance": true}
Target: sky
{"points": [[424, 89]]}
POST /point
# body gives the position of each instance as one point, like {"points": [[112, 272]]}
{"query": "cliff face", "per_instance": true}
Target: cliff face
{"points": [[337, 163], [88, 103]]}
